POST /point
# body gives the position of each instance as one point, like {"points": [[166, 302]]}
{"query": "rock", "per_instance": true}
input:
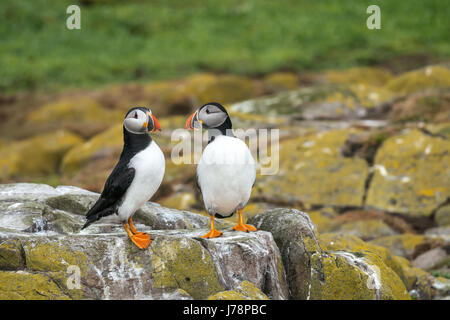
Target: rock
{"points": [[37, 156], [316, 271], [23, 285], [179, 264], [84, 116], [322, 102], [409, 177], [365, 76], [432, 259], [305, 163], [101, 145], [443, 232], [402, 245], [418, 282], [244, 291], [366, 229], [434, 77], [225, 88], [442, 287], [442, 216], [280, 81], [428, 106]]}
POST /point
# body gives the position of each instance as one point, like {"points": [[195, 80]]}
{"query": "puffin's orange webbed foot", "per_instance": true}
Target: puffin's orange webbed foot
{"points": [[212, 234], [243, 227], [140, 239]]}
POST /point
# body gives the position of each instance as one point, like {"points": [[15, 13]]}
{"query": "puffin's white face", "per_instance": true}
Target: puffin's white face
{"points": [[211, 116], [140, 121]]}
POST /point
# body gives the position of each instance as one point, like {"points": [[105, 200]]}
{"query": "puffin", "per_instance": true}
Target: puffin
{"points": [[226, 171], [135, 178]]}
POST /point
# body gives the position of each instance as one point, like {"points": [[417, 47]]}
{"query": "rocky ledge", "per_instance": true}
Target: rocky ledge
{"points": [[44, 255]]}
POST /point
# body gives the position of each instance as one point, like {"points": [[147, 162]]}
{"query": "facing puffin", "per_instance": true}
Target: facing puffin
{"points": [[226, 171], [136, 177]]}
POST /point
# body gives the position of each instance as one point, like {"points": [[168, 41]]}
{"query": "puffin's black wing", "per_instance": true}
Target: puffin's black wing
{"points": [[115, 187]]}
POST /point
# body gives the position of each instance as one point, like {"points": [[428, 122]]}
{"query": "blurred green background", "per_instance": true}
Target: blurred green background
{"points": [[123, 41]]}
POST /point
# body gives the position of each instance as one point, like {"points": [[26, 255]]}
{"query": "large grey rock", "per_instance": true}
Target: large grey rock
{"points": [[319, 269], [294, 234], [43, 252]]}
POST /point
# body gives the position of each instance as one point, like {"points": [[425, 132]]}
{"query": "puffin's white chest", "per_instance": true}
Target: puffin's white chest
{"points": [[226, 173], [150, 166]]}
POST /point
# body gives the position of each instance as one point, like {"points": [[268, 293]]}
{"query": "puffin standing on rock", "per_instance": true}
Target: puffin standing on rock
{"points": [[226, 171], [136, 177]]}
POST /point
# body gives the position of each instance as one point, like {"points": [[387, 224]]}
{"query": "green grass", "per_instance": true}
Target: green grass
{"points": [[144, 40]]}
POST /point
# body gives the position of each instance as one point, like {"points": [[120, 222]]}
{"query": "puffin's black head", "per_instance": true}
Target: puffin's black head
{"points": [[140, 120], [210, 116]]}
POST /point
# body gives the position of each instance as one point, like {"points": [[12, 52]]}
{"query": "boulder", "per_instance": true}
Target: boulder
{"points": [[36, 157], [84, 116], [435, 77], [101, 145], [312, 171], [44, 252], [315, 270], [364, 75], [411, 174], [320, 102]]}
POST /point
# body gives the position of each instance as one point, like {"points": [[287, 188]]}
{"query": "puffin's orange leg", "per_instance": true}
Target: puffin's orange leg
{"points": [[241, 226], [213, 233], [141, 240], [133, 228]]}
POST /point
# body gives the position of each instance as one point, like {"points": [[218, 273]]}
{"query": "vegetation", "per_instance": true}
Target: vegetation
{"points": [[123, 41]]}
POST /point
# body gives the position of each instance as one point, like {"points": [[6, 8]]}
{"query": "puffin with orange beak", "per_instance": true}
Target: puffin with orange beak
{"points": [[136, 177], [226, 171]]}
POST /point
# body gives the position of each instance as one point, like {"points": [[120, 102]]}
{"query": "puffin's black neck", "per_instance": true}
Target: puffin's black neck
{"points": [[134, 143], [224, 129]]}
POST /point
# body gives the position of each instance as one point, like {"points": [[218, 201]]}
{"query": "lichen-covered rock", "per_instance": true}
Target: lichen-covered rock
{"points": [[442, 216], [412, 175], [434, 77], [323, 102], [225, 88], [306, 163], [366, 76], [281, 81], [381, 270], [401, 245], [366, 229], [23, 285], [294, 234], [325, 269], [84, 116], [100, 145], [37, 156], [244, 291], [41, 244], [428, 106]]}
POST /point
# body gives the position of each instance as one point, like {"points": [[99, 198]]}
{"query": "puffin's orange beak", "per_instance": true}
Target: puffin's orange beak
{"points": [[156, 126], [190, 122]]}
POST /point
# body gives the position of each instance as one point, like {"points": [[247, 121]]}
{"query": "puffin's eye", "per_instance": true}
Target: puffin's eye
{"points": [[135, 115], [207, 111]]}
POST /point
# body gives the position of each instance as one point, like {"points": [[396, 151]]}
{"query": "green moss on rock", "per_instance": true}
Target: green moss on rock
{"points": [[45, 150], [11, 257], [410, 174], [435, 77], [306, 162], [28, 286], [184, 263]]}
